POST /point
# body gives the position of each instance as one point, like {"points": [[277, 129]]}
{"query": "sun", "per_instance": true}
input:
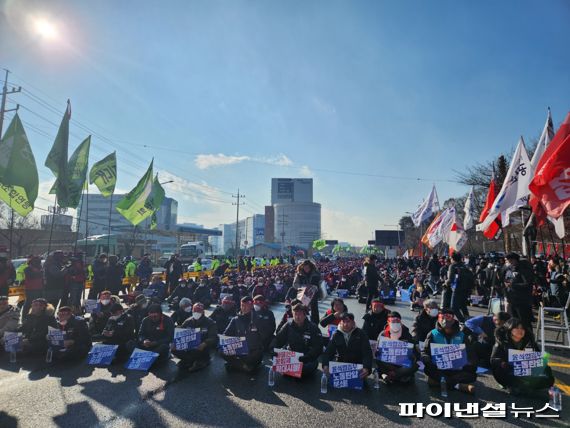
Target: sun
{"points": [[45, 29]]}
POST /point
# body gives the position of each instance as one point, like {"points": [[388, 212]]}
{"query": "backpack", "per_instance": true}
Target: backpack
{"points": [[466, 278]]}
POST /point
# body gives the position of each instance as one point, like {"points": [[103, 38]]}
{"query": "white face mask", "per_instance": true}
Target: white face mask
{"points": [[433, 312], [188, 309], [197, 315], [105, 302], [63, 322], [395, 327], [256, 307], [115, 318]]}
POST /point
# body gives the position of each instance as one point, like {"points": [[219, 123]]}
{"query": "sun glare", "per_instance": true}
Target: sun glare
{"points": [[46, 29]]}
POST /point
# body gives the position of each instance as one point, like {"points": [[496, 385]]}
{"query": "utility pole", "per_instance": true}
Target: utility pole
{"points": [[238, 196], [282, 223], [3, 110]]}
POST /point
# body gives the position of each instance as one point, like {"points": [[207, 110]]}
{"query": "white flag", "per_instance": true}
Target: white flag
{"points": [[469, 211], [457, 237], [429, 206], [514, 191], [440, 228]]}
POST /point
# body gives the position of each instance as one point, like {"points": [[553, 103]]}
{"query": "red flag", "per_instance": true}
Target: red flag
{"points": [[494, 228], [540, 248], [550, 186], [548, 249]]}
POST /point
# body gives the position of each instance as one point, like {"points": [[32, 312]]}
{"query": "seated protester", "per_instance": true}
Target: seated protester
{"points": [[223, 313], [447, 331], [288, 314], [481, 333], [202, 293], [514, 335], [77, 340], [183, 312], [265, 320], [375, 320], [35, 327], [348, 344], [9, 318], [425, 321], [139, 311], [158, 287], [198, 358], [244, 324], [180, 292], [119, 330], [301, 335], [101, 315], [155, 334], [391, 373], [333, 315], [231, 289], [417, 297]]}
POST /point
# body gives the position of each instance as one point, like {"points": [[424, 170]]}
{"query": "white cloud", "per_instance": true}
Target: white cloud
{"points": [[345, 227], [196, 192], [205, 161], [305, 171]]}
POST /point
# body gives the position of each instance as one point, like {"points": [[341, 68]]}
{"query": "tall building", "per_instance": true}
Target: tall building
{"points": [[251, 232], [296, 218], [99, 209]]}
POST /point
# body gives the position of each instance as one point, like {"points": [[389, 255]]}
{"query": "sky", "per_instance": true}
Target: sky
{"points": [[375, 100]]}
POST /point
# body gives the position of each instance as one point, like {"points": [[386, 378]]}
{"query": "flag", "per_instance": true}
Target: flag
{"points": [[457, 237], [319, 244], [134, 205], [76, 175], [514, 188], [439, 230], [522, 200], [430, 230], [157, 195], [551, 182], [429, 206], [104, 175], [153, 221], [57, 158], [469, 211], [406, 255], [18, 171]]}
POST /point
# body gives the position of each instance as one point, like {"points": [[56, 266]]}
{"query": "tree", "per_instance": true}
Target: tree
{"points": [[22, 234]]}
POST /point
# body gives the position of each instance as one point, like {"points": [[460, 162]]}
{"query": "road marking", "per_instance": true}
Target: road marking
{"points": [[563, 387], [566, 366]]}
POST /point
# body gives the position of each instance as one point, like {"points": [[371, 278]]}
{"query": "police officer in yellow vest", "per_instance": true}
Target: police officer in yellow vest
{"points": [[20, 275], [215, 263], [197, 265]]}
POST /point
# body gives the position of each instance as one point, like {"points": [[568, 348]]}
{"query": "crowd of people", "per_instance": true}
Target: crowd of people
{"points": [[241, 298]]}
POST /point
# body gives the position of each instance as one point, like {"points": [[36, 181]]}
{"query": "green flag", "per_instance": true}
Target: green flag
{"points": [[156, 197], [134, 206], [104, 174], [18, 172], [319, 244], [153, 221], [76, 174], [57, 158]]}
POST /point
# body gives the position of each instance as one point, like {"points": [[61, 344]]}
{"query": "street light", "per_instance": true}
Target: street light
{"points": [[167, 182]]}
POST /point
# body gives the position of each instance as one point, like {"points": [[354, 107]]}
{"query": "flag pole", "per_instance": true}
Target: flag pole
{"points": [[79, 222], [109, 229], [52, 222], [552, 238], [11, 225], [86, 222]]}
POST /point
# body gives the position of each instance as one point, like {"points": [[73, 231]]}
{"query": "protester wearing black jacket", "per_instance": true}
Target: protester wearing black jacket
{"points": [[180, 292], [156, 333], [223, 313], [425, 321], [265, 320], [301, 335], [371, 278], [307, 275], [199, 357], [77, 340], [349, 344], [114, 275], [519, 289], [35, 327], [173, 269], [119, 330], [183, 312], [375, 319], [99, 268], [245, 325], [55, 277], [391, 373]]}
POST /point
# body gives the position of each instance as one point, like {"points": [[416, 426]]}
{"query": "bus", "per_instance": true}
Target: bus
{"points": [[98, 244]]}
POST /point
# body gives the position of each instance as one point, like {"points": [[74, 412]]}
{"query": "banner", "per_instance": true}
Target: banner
{"points": [[19, 181], [526, 363], [345, 375], [134, 205], [76, 175], [469, 210], [287, 363], [233, 345], [405, 296], [104, 175], [56, 160], [102, 355], [449, 357], [395, 352], [56, 337], [12, 341], [187, 338], [141, 360]]}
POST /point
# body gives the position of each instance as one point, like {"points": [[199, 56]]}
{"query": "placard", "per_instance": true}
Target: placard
{"points": [[405, 296], [101, 355], [395, 352], [141, 360], [12, 341], [345, 375], [287, 363], [230, 345], [449, 357], [187, 338], [306, 294], [342, 292], [56, 337], [526, 363], [331, 328], [149, 292], [475, 300], [91, 306]]}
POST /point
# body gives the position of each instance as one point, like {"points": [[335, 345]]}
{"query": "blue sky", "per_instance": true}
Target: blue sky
{"points": [[231, 93]]}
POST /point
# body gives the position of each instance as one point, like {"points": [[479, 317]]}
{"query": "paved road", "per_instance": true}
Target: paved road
{"points": [[34, 395]]}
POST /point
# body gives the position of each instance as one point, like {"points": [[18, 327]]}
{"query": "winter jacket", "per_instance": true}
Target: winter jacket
{"points": [[34, 278], [207, 328], [222, 317], [123, 329], [438, 336], [374, 323], [35, 327], [266, 322], [161, 331], [114, 278], [503, 343], [305, 339], [9, 320], [173, 269], [76, 330], [245, 325], [423, 324], [356, 351]]}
